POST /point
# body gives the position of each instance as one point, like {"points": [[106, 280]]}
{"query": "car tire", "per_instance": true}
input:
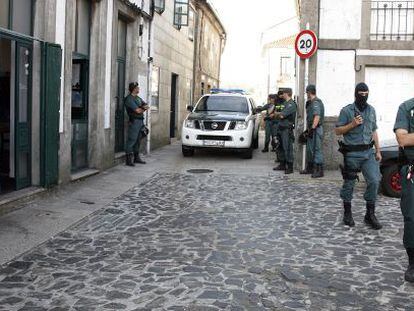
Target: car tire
{"points": [[187, 151], [248, 154], [256, 142], [391, 184]]}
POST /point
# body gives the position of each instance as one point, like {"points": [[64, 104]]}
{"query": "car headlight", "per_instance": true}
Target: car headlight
{"points": [[240, 125], [189, 124]]}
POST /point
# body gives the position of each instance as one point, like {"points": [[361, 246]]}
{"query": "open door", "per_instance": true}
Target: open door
{"points": [[52, 64], [23, 96]]}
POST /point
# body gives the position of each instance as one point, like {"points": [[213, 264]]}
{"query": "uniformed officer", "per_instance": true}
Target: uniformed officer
{"points": [[358, 124], [279, 106], [404, 130], [269, 108], [315, 114], [286, 126], [135, 108]]}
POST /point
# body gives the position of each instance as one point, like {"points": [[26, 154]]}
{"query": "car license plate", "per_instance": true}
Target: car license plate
{"points": [[213, 143]]}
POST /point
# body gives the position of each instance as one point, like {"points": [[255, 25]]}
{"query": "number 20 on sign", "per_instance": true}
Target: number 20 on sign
{"points": [[306, 44]]}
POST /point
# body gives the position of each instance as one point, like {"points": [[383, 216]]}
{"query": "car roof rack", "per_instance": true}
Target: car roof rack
{"points": [[228, 91]]}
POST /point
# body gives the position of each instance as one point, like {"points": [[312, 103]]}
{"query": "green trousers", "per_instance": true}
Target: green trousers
{"points": [[407, 208], [288, 138], [134, 136], [314, 153]]}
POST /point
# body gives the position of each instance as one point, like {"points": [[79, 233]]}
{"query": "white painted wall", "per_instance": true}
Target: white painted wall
{"points": [[60, 39], [335, 79], [340, 19], [389, 87]]}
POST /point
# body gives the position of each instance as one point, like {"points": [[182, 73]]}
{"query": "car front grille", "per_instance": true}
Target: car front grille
{"points": [[214, 125], [211, 137]]}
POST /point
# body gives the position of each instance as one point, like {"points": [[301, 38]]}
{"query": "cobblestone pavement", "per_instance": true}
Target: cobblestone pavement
{"points": [[217, 242]]}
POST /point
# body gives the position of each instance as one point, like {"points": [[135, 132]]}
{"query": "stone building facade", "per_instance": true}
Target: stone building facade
{"points": [[210, 39]]}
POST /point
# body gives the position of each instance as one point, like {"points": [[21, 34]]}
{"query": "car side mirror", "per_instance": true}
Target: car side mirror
{"points": [[190, 108]]}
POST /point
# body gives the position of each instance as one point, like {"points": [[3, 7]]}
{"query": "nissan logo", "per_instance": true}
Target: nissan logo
{"points": [[214, 126]]}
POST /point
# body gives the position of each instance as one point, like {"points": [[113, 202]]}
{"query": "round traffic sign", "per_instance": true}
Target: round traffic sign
{"points": [[306, 44]]}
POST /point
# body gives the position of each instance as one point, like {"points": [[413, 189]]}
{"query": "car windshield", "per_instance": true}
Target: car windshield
{"points": [[223, 103]]}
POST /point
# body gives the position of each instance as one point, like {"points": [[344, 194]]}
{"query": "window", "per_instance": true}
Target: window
{"points": [[191, 24], [392, 20], [155, 87], [17, 15], [82, 32], [159, 6], [181, 13], [223, 103], [285, 66], [122, 38]]}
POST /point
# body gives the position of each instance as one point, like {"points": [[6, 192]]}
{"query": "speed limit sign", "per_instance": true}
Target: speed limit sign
{"points": [[306, 44]]}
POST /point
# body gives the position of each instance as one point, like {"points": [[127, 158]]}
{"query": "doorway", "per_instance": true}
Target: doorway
{"points": [[173, 111], [15, 114]]}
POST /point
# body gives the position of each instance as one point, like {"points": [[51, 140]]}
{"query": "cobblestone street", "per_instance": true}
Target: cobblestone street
{"points": [[217, 241]]}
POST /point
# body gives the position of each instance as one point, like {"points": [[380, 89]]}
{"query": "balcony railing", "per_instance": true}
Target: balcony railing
{"points": [[392, 20]]}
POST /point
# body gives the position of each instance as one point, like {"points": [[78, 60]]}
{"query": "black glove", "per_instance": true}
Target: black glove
{"points": [[311, 132]]}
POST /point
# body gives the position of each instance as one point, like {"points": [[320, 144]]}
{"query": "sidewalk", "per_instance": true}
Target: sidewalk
{"points": [[36, 221]]}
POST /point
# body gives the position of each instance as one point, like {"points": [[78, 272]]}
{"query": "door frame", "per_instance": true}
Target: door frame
{"points": [[173, 107]]}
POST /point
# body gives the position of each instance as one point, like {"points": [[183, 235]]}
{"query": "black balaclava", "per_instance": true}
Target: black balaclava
{"points": [[361, 101]]}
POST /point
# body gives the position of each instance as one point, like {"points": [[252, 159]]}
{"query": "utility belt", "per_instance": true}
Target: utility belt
{"points": [[287, 127], [344, 149], [403, 160]]}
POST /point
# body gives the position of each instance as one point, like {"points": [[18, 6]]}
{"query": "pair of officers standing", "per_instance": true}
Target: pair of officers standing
{"points": [[280, 124]]}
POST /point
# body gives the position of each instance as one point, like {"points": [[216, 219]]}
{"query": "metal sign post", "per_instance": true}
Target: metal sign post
{"points": [[306, 45]]}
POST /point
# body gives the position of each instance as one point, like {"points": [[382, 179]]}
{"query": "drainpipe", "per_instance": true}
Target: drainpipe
{"points": [[149, 78]]}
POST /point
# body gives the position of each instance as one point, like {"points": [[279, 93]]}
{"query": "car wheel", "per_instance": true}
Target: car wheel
{"points": [[187, 151], [248, 154], [256, 142], [391, 181]]}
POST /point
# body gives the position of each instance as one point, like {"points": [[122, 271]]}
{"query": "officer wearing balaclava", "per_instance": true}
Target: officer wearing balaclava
{"points": [[357, 123]]}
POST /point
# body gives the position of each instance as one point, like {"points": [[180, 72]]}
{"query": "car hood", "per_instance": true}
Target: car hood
{"points": [[217, 116]]}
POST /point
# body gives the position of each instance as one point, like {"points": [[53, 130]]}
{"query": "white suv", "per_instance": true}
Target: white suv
{"points": [[222, 121]]}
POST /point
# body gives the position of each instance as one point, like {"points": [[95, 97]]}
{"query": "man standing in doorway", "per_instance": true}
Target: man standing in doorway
{"points": [[286, 127], [358, 124], [404, 130], [315, 113], [135, 108]]}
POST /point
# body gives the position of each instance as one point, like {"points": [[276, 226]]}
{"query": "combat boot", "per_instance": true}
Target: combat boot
{"points": [[370, 218], [281, 167], [137, 159], [129, 159], [348, 219], [289, 168], [318, 171], [308, 170], [409, 274]]}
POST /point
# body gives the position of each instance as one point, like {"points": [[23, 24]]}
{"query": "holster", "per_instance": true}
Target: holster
{"points": [[349, 174]]}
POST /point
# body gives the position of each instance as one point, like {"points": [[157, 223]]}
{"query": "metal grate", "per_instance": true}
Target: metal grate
{"points": [[392, 20], [214, 126], [200, 171]]}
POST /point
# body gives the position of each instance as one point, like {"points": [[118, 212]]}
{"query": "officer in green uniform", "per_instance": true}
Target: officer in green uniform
{"points": [[287, 121], [315, 114], [358, 124], [135, 108], [404, 130], [269, 108], [277, 138]]}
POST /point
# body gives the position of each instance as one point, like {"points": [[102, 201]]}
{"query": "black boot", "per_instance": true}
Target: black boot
{"points": [[370, 218], [266, 149], [318, 171], [137, 159], [129, 160], [308, 170], [348, 220], [409, 274], [281, 167], [289, 168]]}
